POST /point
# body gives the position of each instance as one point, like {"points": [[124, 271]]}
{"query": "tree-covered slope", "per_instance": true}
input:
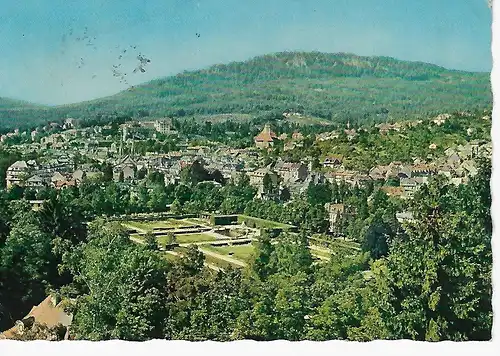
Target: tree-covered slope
{"points": [[329, 86], [6, 103]]}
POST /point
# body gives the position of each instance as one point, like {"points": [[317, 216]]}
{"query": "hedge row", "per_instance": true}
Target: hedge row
{"points": [[216, 220], [253, 222]]}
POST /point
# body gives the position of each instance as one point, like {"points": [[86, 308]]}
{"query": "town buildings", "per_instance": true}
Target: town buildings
{"points": [[66, 156]]}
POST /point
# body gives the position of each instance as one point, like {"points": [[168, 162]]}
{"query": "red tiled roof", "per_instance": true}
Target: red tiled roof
{"points": [[266, 135]]}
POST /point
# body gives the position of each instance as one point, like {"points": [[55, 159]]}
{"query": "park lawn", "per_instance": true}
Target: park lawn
{"points": [[220, 263], [179, 249], [321, 253], [334, 243], [243, 253], [346, 244], [194, 221], [208, 259], [150, 225], [187, 238], [170, 257], [182, 223]]}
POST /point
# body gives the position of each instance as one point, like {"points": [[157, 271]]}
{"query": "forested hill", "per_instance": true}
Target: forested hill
{"points": [[329, 86], [6, 103]]}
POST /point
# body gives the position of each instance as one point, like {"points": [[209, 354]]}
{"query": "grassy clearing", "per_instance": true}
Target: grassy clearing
{"points": [[163, 224], [321, 253], [150, 225], [243, 253], [220, 263], [346, 244], [170, 257], [195, 221], [187, 238]]}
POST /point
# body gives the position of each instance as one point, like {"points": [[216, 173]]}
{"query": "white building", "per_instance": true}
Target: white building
{"points": [[162, 126], [16, 173]]}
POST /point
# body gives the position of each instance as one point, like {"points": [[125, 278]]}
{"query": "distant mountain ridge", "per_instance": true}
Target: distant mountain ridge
{"points": [[7, 103], [332, 86]]}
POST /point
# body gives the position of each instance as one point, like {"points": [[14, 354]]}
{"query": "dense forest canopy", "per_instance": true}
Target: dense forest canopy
{"points": [[334, 87]]}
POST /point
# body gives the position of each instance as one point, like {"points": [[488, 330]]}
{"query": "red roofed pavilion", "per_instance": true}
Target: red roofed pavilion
{"points": [[266, 138]]}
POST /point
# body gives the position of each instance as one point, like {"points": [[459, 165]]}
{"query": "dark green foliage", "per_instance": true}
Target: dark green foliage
{"points": [[261, 265], [376, 237], [194, 174], [298, 213], [223, 219], [27, 268], [6, 159], [150, 241], [123, 287], [448, 251], [319, 193]]}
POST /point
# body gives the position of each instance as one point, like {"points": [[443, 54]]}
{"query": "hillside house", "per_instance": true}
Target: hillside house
{"points": [[257, 177], [327, 136], [163, 126], [340, 176], [404, 216], [78, 175], [453, 159], [297, 136], [397, 170], [351, 133], [441, 119], [333, 161], [384, 128], [35, 182], [445, 170], [378, 172], [69, 123], [65, 183], [411, 185], [289, 171], [17, 172], [57, 178]]}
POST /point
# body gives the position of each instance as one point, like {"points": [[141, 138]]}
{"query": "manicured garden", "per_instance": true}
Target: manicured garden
{"points": [[186, 238], [243, 253], [164, 224]]}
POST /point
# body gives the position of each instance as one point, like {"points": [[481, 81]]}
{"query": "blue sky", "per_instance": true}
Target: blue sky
{"points": [[42, 60]]}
